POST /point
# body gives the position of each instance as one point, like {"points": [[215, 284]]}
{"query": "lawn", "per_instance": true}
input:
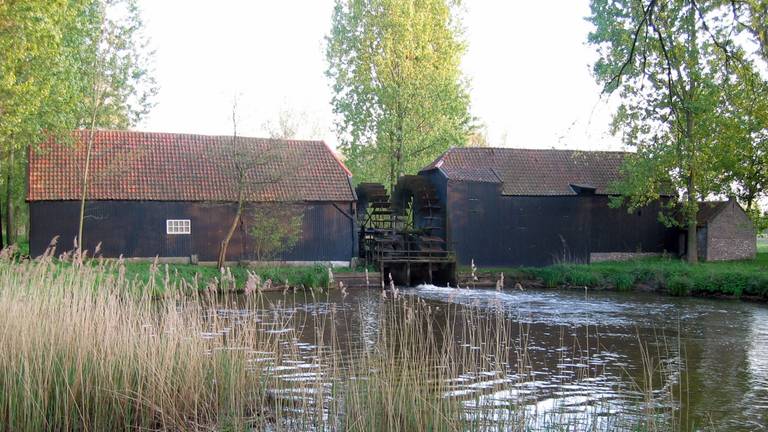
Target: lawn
{"points": [[670, 275], [200, 277]]}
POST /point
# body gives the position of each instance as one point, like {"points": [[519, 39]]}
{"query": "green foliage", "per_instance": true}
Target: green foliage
{"points": [[114, 66], [398, 90], [39, 75], [623, 281], [741, 132], [199, 276], [752, 22], [671, 62], [275, 229], [552, 276], [679, 286], [580, 276], [729, 278], [40, 91], [115, 82], [59, 59]]}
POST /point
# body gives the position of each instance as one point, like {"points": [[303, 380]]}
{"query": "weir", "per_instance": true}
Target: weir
{"points": [[404, 235]]}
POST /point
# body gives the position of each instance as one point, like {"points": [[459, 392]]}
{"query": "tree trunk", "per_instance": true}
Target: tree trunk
{"points": [[86, 170], [689, 99], [10, 235], [691, 213], [693, 243], [225, 243], [2, 244]]}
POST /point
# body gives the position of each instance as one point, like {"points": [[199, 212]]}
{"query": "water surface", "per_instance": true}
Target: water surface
{"points": [[710, 357]]}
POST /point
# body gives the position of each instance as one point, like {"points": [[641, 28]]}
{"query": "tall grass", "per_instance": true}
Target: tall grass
{"points": [[673, 276], [78, 351], [83, 347]]}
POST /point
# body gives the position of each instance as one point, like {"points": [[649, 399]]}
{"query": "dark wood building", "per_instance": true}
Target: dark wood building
{"points": [[174, 195], [725, 232], [519, 207]]}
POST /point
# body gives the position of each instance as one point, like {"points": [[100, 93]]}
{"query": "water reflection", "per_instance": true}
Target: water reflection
{"points": [[583, 359]]}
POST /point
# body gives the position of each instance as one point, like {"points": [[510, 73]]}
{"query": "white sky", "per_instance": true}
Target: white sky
{"points": [[527, 62]]}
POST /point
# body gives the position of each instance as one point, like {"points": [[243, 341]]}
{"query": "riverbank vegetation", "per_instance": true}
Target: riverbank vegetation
{"points": [[202, 277], [665, 274], [86, 348]]}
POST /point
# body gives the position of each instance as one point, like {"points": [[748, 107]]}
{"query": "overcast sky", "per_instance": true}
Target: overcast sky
{"points": [[527, 62]]}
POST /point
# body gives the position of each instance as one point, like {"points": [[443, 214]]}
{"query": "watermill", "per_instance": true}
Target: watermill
{"points": [[403, 235]]}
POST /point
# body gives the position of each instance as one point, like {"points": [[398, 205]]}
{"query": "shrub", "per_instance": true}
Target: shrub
{"points": [[583, 277], [623, 281], [552, 276], [757, 285], [679, 286]]}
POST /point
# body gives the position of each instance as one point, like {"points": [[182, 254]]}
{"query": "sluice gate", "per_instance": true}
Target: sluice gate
{"points": [[403, 235]]}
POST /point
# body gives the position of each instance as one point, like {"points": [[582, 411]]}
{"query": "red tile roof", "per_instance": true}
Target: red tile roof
{"points": [[180, 167], [533, 172]]}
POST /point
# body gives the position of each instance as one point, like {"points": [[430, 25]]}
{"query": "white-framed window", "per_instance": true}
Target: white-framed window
{"points": [[178, 226]]}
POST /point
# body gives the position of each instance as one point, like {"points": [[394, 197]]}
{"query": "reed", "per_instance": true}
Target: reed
{"points": [[83, 347]]}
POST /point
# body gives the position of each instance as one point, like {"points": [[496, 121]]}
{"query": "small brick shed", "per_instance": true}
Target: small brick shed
{"points": [[725, 232]]}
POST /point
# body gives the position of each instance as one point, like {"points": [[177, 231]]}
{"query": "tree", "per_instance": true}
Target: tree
{"points": [[742, 136], [275, 228], [399, 94], [117, 86], [665, 59], [751, 17], [291, 124], [252, 170], [479, 138], [40, 91], [239, 155]]}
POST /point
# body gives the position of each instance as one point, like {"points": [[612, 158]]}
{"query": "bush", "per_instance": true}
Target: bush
{"points": [[623, 281], [679, 286], [583, 277], [757, 285], [552, 276]]}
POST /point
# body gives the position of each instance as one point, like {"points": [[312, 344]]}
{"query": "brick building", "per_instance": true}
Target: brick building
{"points": [[725, 232]]}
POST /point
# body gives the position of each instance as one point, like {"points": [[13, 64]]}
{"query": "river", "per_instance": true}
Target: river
{"points": [[597, 355]]}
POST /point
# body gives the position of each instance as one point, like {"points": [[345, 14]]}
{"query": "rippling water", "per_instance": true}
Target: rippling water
{"points": [[584, 352]]}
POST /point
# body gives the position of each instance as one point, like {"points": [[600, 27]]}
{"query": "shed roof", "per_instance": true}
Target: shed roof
{"points": [[533, 172], [127, 165], [708, 210]]}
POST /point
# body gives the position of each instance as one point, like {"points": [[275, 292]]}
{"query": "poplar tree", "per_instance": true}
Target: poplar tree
{"points": [[40, 90], [116, 85], [399, 95], [65, 64]]}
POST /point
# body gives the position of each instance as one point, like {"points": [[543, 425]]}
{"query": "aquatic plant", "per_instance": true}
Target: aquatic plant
{"points": [[735, 278], [88, 348]]}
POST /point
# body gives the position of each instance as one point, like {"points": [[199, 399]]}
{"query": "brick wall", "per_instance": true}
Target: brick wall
{"points": [[620, 256], [731, 235]]}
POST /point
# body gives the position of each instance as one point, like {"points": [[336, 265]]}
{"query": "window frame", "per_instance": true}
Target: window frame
{"points": [[178, 226]]}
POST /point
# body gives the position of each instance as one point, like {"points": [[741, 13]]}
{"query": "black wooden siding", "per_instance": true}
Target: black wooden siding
{"points": [[137, 229], [497, 230]]}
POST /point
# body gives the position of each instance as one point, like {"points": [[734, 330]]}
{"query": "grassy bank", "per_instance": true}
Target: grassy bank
{"points": [[670, 275], [82, 349], [198, 277]]}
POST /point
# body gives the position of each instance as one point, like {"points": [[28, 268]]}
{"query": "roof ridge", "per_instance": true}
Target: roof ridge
{"points": [[534, 172], [493, 149], [128, 131]]}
